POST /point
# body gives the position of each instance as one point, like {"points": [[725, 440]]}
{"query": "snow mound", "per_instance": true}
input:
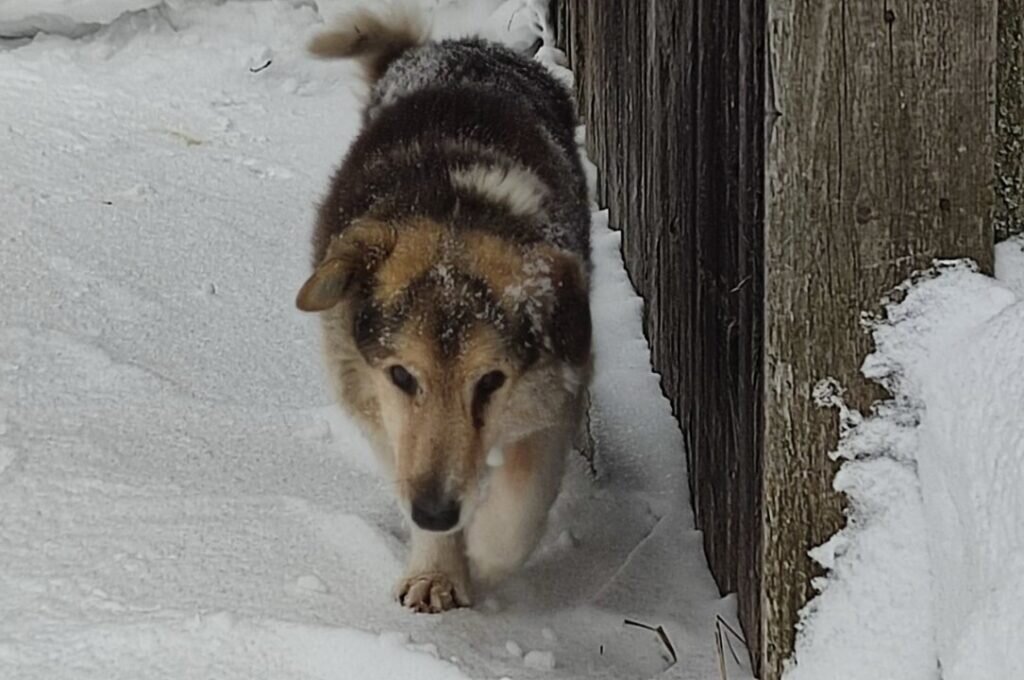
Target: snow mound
{"points": [[927, 578], [971, 461], [71, 18], [1010, 264], [218, 645]]}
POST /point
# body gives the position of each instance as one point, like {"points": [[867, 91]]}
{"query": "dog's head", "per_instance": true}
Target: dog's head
{"points": [[466, 342]]}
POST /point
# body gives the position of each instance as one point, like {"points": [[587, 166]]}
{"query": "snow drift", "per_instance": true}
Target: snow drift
{"points": [[927, 579]]}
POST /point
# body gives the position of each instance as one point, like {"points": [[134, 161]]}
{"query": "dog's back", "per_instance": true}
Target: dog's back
{"points": [[464, 132]]}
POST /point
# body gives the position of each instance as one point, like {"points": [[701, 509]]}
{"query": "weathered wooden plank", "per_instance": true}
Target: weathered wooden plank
{"points": [[881, 160], [748, 294], [675, 124], [1009, 218], [722, 245]]}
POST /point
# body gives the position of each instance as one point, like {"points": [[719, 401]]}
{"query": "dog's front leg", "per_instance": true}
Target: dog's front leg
{"points": [[437, 578], [509, 523]]}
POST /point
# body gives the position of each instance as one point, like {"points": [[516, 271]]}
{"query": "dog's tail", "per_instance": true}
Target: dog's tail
{"points": [[373, 37]]}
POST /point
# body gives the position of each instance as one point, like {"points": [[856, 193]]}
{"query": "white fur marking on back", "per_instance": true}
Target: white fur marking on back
{"points": [[517, 188]]}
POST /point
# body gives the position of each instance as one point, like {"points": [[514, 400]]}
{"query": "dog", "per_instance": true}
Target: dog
{"points": [[451, 269]]}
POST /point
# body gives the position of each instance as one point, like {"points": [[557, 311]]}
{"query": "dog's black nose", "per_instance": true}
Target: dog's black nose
{"points": [[435, 513]]}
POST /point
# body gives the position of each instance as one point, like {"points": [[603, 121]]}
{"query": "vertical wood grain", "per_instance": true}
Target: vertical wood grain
{"points": [[881, 160], [1010, 121]]}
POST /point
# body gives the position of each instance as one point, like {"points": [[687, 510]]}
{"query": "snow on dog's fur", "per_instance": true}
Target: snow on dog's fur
{"points": [[451, 271]]}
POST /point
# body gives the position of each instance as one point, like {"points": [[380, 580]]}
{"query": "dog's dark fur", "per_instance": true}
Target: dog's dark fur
{"points": [[496, 104], [449, 105]]}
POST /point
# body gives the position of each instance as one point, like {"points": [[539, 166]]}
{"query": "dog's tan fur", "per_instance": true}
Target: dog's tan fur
{"points": [[451, 303], [533, 417]]}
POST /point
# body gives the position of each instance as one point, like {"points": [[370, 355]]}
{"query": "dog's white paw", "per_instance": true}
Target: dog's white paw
{"points": [[432, 593]]}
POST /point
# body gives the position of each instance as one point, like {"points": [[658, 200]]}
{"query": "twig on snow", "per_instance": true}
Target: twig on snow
{"points": [[723, 673], [662, 635], [722, 623]]}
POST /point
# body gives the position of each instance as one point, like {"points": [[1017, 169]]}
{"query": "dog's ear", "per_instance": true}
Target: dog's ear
{"points": [[569, 325], [353, 255]]}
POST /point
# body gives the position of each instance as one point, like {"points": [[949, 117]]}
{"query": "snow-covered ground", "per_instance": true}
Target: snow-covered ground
{"points": [[178, 497], [927, 580]]}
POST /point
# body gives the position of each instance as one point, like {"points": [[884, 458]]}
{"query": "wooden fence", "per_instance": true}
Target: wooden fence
{"points": [[776, 166], [1009, 217]]}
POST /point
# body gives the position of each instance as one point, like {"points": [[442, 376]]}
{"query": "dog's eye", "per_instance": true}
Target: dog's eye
{"points": [[485, 387], [490, 383], [403, 379]]}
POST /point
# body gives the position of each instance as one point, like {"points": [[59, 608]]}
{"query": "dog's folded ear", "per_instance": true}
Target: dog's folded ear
{"points": [[352, 257], [569, 324]]}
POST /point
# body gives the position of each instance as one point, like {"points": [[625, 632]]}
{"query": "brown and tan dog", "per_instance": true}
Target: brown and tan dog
{"points": [[451, 266]]}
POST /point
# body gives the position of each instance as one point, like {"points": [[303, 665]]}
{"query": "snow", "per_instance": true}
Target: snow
{"points": [[539, 660], [178, 496], [1010, 264], [73, 18], [972, 471], [927, 579]]}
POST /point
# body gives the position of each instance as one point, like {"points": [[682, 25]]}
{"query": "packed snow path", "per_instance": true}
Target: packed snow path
{"points": [[178, 497]]}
